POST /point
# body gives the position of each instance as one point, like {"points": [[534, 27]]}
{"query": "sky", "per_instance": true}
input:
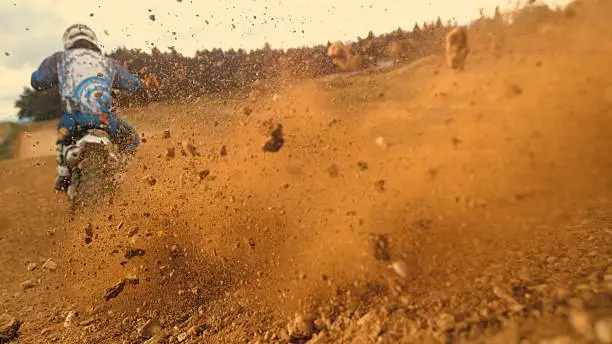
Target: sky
{"points": [[31, 30]]}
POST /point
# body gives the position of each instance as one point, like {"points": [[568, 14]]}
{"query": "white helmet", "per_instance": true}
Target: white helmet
{"points": [[79, 32]]}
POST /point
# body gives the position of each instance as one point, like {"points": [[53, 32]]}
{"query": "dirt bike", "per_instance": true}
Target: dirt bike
{"points": [[95, 165]]}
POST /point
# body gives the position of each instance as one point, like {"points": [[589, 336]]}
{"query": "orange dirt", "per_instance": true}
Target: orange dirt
{"points": [[414, 205]]}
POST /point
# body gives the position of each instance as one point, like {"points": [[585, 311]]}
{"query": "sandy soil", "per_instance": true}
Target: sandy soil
{"points": [[414, 205]]}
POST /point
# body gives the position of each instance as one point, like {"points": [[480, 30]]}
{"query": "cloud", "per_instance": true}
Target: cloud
{"points": [[33, 53], [12, 83], [14, 20], [28, 34]]}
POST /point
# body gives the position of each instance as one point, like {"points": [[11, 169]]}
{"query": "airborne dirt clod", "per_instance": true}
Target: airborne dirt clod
{"points": [[115, 290], [276, 141], [471, 206]]}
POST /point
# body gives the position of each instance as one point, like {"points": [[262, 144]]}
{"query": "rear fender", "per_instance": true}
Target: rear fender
{"points": [[73, 153], [95, 136]]}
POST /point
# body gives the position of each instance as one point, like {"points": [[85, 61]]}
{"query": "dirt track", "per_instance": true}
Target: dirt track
{"points": [[31, 141], [37, 140], [491, 191]]}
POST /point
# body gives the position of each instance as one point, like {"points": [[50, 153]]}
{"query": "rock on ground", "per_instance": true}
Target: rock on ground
{"points": [[603, 330], [149, 329], [49, 265], [71, 319], [301, 328], [27, 284], [9, 328]]}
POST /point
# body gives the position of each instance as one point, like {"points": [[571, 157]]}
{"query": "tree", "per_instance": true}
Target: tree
{"points": [[39, 105], [439, 23], [498, 15]]}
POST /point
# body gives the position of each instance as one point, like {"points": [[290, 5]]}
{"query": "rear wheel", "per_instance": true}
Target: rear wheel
{"points": [[93, 181]]}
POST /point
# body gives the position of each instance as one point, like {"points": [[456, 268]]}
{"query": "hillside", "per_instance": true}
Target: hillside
{"points": [[407, 205]]}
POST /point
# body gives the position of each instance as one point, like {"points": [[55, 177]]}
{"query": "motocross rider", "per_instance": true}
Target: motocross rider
{"points": [[86, 78]]}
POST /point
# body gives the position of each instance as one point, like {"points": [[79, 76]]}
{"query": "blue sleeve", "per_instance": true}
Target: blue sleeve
{"points": [[125, 80], [45, 76]]}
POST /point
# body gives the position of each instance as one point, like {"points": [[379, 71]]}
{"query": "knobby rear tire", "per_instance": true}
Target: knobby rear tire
{"points": [[94, 180]]}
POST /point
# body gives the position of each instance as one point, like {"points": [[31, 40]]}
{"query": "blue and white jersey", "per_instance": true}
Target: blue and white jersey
{"points": [[85, 78]]}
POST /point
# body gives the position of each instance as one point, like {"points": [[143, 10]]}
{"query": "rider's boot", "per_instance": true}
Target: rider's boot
{"points": [[62, 174]]}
